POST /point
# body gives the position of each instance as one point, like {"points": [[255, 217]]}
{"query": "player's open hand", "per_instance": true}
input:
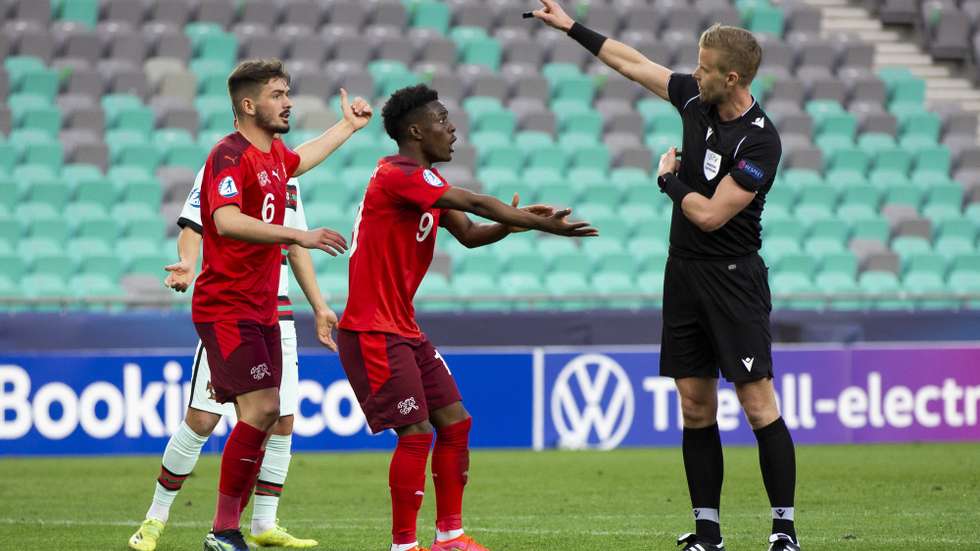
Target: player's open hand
{"points": [[552, 14], [537, 210], [326, 321], [357, 113], [324, 239], [180, 277], [669, 162], [559, 225]]}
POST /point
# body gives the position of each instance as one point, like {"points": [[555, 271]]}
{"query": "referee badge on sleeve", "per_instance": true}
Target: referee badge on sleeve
{"points": [[712, 164]]}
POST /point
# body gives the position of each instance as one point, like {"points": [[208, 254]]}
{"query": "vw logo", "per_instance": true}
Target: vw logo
{"points": [[599, 402]]}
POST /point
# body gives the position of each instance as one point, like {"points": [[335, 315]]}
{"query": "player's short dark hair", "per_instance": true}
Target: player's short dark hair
{"points": [[398, 110], [249, 77]]}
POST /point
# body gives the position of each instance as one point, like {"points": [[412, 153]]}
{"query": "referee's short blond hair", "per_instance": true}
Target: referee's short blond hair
{"points": [[738, 50]]}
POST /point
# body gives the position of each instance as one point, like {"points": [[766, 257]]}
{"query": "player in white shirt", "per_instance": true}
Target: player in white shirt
{"points": [[203, 413]]}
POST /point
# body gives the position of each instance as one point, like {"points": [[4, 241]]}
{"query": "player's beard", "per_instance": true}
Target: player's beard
{"points": [[271, 123]]}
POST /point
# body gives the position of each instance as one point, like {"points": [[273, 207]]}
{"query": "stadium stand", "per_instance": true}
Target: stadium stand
{"points": [[112, 105]]}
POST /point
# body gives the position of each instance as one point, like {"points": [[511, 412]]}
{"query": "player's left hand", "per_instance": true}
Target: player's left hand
{"points": [[537, 210], [669, 162], [357, 113], [180, 277], [326, 321]]}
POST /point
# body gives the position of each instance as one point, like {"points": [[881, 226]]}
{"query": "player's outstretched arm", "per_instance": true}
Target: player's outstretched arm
{"points": [[473, 235], [230, 222], [182, 272], [708, 214], [356, 116], [625, 59], [301, 263], [493, 209]]}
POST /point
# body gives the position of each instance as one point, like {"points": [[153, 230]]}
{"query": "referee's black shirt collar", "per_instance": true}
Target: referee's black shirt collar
{"points": [[749, 115]]}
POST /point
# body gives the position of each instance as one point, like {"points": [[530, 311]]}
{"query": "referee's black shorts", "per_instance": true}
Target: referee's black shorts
{"points": [[716, 318]]}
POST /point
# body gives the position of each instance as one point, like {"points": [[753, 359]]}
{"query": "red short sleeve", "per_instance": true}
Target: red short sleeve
{"points": [[225, 188], [420, 188], [289, 158]]}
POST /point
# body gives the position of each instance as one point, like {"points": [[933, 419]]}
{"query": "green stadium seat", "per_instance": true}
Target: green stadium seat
{"points": [[902, 85], [651, 283], [595, 157], [879, 285], [861, 194], [526, 263], [649, 196], [85, 12], [541, 177], [831, 228], [219, 45], [908, 245], [871, 228], [434, 294], [11, 230], [765, 19], [41, 286], [430, 14], [781, 196], [503, 156], [793, 282], [29, 76], [885, 179], [799, 178], [471, 285], [575, 87], [485, 51], [935, 158], [812, 211], [643, 246], [550, 248], [154, 229], [918, 127], [95, 256], [569, 261], [836, 285], [551, 156], [54, 229], [523, 284], [12, 266], [613, 284], [33, 111], [622, 262], [565, 286], [839, 124], [53, 192], [903, 194], [523, 243], [797, 263], [849, 158], [919, 283], [954, 245], [630, 177], [605, 195], [926, 262], [824, 245], [480, 260], [589, 123], [613, 233]]}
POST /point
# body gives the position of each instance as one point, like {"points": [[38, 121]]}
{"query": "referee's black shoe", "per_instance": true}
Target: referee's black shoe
{"points": [[692, 543], [782, 542]]}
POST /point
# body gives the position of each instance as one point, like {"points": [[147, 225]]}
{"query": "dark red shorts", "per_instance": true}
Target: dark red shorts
{"points": [[244, 356], [397, 380]]}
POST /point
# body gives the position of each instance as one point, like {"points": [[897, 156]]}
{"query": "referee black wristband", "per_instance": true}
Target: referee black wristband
{"points": [[673, 186], [591, 40]]}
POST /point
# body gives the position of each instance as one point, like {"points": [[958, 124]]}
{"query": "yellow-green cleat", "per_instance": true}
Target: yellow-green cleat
{"points": [[277, 536], [145, 539]]}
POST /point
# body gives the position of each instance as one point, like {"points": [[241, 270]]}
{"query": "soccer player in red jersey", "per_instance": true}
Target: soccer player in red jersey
{"points": [[401, 381], [243, 201]]}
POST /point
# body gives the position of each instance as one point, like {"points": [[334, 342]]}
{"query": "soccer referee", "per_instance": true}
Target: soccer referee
{"points": [[716, 290]]}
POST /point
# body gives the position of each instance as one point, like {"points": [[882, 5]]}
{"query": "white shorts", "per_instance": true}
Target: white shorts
{"points": [[202, 397]]}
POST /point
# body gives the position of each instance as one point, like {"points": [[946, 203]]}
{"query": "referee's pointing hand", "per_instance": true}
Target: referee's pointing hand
{"points": [[554, 16]]}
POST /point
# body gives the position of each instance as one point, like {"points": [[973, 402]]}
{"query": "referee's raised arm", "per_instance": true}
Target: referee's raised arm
{"points": [[623, 58]]}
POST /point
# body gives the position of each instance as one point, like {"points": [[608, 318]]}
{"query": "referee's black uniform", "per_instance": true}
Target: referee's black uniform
{"points": [[716, 289]]}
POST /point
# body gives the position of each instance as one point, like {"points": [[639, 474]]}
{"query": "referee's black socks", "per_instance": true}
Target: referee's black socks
{"points": [[778, 461], [704, 465]]}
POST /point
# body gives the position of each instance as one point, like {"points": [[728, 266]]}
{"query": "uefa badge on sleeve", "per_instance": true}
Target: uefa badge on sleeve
{"points": [[431, 178], [227, 188]]}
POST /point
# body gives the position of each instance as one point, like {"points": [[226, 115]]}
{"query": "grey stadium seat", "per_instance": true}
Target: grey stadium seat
{"points": [[265, 45], [882, 262], [177, 12], [125, 11], [619, 88], [221, 12], [86, 81], [802, 18], [814, 52], [347, 44], [311, 81], [787, 89], [306, 13], [175, 112], [625, 123], [528, 84], [917, 227], [951, 36], [904, 12], [863, 87], [391, 43], [349, 13], [604, 19], [307, 47], [444, 81], [809, 158], [644, 19], [122, 77], [81, 112], [6, 120], [871, 117], [896, 214], [489, 84], [77, 41], [432, 47], [824, 86], [30, 39], [124, 42], [389, 13], [522, 50], [261, 12], [467, 13], [32, 10], [177, 182], [4, 83], [167, 41], [354, 78]]}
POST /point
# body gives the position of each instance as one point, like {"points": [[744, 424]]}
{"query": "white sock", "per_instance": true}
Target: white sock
{"points": [[450, 535], [180, 456], [404, 546], [275, 466]]}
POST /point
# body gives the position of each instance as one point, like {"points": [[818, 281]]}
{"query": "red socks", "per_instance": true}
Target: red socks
{"points": [[450, 466], [406, 478], [239, 465], [247, 494]]}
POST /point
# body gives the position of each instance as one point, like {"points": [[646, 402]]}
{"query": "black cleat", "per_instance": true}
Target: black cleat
{"points": [[692, 543], [782, 542]]}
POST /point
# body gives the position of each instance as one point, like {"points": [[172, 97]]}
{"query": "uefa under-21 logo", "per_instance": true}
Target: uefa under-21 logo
{"points": [[592, 403], [195, 198], [431, 178], [227, 188]]}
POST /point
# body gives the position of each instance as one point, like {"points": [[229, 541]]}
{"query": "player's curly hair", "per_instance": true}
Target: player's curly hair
{"points": [[400, 106]]}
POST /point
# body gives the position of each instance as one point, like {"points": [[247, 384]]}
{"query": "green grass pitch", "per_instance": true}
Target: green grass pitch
{"points": [[849, 497]]}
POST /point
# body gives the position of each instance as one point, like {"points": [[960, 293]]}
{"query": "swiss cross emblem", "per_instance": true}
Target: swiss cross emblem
{"points": [[264, 179]]}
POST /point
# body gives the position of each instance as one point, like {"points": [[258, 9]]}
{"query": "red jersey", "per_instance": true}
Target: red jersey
{"points": [[240, 280], [394, 238]]}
